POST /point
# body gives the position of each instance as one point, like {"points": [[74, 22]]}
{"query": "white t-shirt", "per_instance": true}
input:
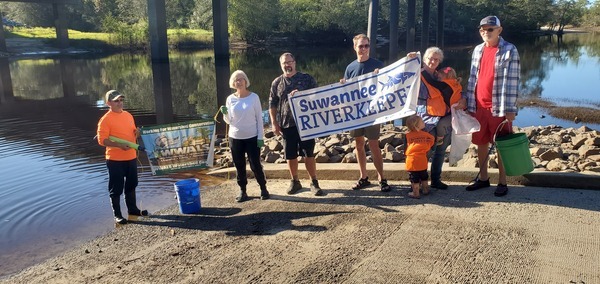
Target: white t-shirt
{"points": [[244, 116]]}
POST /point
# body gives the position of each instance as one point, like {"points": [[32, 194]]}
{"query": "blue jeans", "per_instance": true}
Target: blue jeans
{"points": [[437, 155]]}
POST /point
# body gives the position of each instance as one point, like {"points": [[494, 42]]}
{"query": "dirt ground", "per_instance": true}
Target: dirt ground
{"points": [[532, 235]]}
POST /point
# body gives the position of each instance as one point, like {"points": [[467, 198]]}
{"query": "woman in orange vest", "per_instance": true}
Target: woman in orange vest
{"points": [[433, 104]]}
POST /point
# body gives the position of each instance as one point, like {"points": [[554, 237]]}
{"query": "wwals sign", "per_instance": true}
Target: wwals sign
{"points": [[179, 146]]}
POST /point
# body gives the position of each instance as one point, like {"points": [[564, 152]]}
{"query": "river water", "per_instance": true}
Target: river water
{"points": [[53, 195]]}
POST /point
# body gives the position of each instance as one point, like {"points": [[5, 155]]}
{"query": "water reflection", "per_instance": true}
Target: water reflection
{"points": [[6, 92], [54, 181]]}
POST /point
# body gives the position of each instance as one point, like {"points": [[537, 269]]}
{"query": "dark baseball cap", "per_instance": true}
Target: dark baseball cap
{"points": [[490, 21], [113, 95]]}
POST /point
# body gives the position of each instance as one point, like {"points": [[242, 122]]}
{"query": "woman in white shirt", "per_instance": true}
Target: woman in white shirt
{"points": [[243, 113]]}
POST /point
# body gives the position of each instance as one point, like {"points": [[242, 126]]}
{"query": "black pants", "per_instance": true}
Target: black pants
{"points": [[122, 175], [239, 149]]}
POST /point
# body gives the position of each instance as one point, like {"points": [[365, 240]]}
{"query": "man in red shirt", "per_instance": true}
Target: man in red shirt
{"points": [[492, 96]]}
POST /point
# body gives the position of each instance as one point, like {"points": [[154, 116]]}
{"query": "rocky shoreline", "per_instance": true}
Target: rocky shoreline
{"points": [[553, 148]]}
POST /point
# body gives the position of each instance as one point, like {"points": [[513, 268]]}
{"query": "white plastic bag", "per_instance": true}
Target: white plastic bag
{"points": [[462, 122], [463, 125], [459, 145]]}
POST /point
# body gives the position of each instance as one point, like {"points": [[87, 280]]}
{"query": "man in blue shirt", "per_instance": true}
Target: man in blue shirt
{"points": [[363, 65]]}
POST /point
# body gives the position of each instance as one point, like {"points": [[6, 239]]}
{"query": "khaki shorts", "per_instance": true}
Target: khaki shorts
{"points": [[371, 132]]}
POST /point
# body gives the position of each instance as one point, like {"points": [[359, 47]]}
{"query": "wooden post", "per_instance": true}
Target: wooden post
{"points": [[372, 27], [440, 26], [394, 16], [6, 88], [221, 47], [60, 24], [159, 53], [425, 27], [2, 36], [410, 25]]}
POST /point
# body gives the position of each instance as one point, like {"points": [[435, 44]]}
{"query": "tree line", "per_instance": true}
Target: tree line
{"points": [[306, 20]]}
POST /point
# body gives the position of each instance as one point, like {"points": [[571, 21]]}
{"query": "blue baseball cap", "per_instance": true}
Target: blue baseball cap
{"points": [[490, 21]]}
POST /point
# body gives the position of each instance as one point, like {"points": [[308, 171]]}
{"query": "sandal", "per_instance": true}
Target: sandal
{"points": [[412, 195], [384, 185], [361, 183]]}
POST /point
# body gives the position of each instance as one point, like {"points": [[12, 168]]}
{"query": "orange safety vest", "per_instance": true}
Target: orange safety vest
{"points": [[435, 102]]}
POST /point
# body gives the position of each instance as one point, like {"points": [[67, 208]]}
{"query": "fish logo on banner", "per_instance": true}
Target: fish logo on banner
{"points": [[399, 78]]}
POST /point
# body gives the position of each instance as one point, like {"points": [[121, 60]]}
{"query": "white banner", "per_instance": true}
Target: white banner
{"points": [[362, 101]]}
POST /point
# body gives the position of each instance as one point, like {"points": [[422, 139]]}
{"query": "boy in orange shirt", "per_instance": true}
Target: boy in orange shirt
{"points": [[418, 144], [120, 158]]}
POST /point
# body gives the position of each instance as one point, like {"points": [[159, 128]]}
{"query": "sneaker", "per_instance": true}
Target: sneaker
{"points": [[242, 196], [295, 185], [438, 184], [501, 190], [315, 189], [385, 187], [120, 220], [361, 183], [478, 184], [139, 212]]}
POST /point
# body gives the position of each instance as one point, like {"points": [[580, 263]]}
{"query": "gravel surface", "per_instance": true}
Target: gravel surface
{"points": [[532, 235]]}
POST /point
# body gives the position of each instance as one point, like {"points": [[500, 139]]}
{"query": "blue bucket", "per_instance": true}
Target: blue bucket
{"points": [[188, 195]]}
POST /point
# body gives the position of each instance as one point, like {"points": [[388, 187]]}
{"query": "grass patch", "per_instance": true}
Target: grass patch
{"points": [[176, 37], [535, 102], [33, 33], [583, 114], [577, 114], [189, 37]]}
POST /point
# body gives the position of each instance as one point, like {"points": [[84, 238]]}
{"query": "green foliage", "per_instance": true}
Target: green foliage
{"points": [[568, 12], [528, 14], [179, 13], [592, 16], [301, 20], [123, 34], [31, 14], [254, 20], [201, 17], [323, 19]]}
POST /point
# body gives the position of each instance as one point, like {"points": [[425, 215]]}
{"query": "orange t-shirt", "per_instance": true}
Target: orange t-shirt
{"points": [[120, 125], [419, 143]]}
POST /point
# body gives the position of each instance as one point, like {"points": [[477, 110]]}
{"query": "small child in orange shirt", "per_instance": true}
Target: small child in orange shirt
{"points": [[418, 144], [448, 76]]}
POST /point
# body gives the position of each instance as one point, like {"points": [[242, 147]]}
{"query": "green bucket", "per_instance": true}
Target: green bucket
{"points": [[514, 150]]}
